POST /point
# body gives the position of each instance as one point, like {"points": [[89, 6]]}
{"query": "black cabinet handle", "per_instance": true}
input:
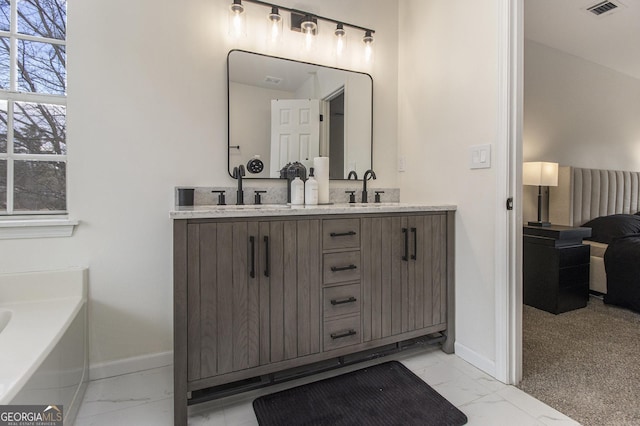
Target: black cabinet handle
{"points": [[414, 231], [350, 299], [252, 242], [343, 268], [266, 256], [406, 244], [342, 234], [342, 334]]}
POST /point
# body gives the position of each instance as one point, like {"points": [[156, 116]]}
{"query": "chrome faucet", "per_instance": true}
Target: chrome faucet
{"points": [[238, 173], [369, 174], [353, 174]]}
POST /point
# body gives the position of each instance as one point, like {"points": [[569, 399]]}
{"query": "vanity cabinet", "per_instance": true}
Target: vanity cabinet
{"points": [[342, 290], [405, 274], [249, 294], [255, 296]]}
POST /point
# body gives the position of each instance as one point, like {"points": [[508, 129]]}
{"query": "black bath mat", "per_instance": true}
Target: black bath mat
{"points": [[385, 394]]}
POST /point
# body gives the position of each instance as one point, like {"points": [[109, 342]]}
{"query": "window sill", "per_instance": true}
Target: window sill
{"points": [[14, 229]]}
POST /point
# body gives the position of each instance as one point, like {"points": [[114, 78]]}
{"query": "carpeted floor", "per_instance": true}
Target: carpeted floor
{"points": [[584, 363]]}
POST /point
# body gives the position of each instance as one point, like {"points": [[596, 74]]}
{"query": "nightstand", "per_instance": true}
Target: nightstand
{"points": [[555, 267]]}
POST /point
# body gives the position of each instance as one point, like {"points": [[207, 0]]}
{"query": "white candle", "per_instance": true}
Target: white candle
{"points": [[321, 171]]}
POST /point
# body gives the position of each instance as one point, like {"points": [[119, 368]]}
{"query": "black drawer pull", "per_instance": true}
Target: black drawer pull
{"points": [[414, 231], [266, 256], [342, 234], [343, 268], [252, 242], [342, 334], [350, 299], [405, 257]]}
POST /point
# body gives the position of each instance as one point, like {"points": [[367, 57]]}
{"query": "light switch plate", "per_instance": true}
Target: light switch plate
{"points": [[480, 157], [402, 163]]}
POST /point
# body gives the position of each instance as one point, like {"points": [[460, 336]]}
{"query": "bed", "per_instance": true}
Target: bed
{"points": [[606, 201]]}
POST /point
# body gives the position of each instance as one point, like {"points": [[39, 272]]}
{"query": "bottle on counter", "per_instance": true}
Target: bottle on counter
{"points": [[297, 191], [311, 190]]}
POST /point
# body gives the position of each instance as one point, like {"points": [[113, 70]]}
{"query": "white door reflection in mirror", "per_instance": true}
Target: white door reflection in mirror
{"points": [[295, 132]]}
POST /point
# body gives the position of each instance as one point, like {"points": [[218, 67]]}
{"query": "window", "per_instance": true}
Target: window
{"points": [[33, 149]]}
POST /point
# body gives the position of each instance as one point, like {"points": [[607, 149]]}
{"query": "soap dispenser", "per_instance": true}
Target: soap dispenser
{"points": [[311, 190], [297, 191]]}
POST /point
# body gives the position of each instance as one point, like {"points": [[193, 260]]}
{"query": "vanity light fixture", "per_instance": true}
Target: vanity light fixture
{"points": [[237, 19], [275, 20], [301, 21], [368, 46], [309, 25], [309, 28], [341, 39]]}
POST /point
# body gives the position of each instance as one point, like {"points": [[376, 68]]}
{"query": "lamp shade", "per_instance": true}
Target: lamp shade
{"points": [[540, 174]]}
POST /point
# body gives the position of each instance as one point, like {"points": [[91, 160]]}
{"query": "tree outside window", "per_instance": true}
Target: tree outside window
{"points": [[32, 106]]}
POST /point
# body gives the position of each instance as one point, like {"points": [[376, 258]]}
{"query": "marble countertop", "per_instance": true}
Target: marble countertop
{"points": [[231, 211]]}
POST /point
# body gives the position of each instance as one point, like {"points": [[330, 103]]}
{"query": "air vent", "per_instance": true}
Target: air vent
{"points": [[602, 8], [272, 80]]}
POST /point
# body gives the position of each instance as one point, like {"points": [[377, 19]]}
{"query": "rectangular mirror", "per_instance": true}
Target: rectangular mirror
{"points": [[282, 111]]}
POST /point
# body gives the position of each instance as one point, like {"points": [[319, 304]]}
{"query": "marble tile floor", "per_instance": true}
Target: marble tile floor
{"points": [[145, 397]]}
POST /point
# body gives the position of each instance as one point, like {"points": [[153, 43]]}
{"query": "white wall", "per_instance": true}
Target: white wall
{"points": [[448, 101], [147, 111], [578, 113], [250, 117]]}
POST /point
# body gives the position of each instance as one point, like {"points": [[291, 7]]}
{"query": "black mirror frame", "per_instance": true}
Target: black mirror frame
{"points": [[229, 147]]}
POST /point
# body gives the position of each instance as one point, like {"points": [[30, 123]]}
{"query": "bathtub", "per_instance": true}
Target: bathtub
{"points": [[43, 339]]}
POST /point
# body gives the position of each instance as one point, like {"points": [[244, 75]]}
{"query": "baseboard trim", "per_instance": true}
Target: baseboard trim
{"points": [[119, 367], [475, 359]]}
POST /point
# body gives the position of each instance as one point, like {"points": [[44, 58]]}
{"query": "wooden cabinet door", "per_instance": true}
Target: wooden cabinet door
{"points": [[289, 289], [383, 270], [223, 298], [404, 273], [253, 294], [426, 286]]}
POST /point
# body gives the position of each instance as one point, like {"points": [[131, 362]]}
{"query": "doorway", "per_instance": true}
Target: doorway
{"points": [[336, 136], [333, 143]]}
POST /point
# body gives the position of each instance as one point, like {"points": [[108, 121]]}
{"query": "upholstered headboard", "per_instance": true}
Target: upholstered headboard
{"points": [[584, 194]]}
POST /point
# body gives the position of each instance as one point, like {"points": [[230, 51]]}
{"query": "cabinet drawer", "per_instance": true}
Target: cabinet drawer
{"points": [[574, 276], [341, 300], [341, 267], [340, 234], [342, 332], [573, 256]]}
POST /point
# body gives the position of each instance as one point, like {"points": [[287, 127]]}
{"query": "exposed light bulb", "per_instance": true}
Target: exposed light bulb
{"points": [[237, 24], [368, 53], [309, 28], [236, 19], [368, 46], [341, 40], [275, 20], [308, 41]]}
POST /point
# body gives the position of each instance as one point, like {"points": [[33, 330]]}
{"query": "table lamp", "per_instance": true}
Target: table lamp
{"points": [[540, 174]]}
